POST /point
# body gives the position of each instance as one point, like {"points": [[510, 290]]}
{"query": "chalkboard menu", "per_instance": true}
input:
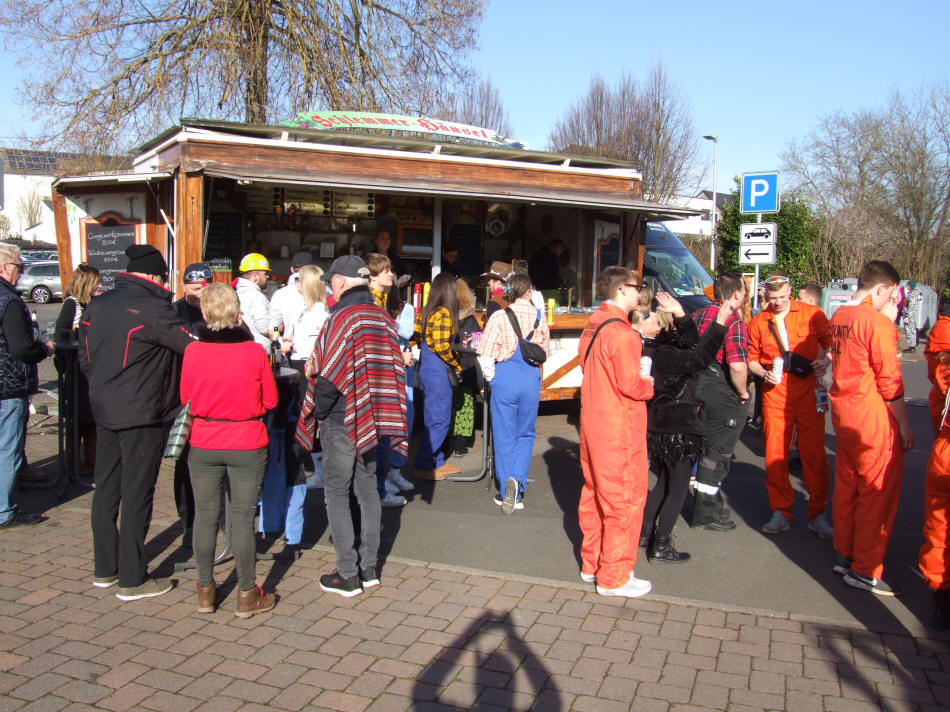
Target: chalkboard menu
{"points": [[223, 247], [105, 245], [468, 240]]}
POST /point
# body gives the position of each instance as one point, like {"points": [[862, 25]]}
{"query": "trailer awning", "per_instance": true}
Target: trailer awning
{"points": [[107, 179]]}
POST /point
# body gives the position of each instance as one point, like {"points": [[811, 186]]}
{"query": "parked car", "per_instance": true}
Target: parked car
{"points": [[43, 256], [40, 281]]}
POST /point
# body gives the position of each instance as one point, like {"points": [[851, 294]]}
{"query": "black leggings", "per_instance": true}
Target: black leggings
{"points": [[666, 497]]}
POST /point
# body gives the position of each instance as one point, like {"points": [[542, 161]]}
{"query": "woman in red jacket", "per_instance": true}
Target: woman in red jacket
{"points": [[227, 377]]}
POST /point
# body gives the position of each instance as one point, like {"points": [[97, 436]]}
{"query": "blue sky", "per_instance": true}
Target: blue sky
{"points": [[755, 74]]}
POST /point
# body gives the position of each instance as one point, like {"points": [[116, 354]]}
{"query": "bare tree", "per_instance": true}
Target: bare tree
{"points": [[114, 71], [29, 208], [881, 180], [648, 123], [479, 104], [4, 227]]}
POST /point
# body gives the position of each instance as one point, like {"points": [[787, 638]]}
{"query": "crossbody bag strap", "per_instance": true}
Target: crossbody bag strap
{"points": [[778, 342], [514, 323], [594, 337]]}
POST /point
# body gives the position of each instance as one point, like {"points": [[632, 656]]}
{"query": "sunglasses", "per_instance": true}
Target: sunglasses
{"points": [[638, 287], [776, 280]]}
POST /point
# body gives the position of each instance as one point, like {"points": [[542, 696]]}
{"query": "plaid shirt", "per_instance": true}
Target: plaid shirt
{"points": [[735, 347], [438, 336], [499, 340]]}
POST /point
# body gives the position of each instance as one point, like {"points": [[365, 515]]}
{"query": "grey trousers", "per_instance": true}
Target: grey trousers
{"points": [[343, 471], [244, 470]]}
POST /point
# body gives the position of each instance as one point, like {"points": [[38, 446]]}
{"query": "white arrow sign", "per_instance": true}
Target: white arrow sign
{"points": [[756, 254]]}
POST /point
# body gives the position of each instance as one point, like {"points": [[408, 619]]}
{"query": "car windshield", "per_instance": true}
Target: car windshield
{"points": [[680, 269]]}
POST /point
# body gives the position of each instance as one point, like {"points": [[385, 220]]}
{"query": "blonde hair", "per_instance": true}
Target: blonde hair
{"points": [[220, 307], [464, 297], [83, 284], [9, 253], [665, 319], [312, 287]]}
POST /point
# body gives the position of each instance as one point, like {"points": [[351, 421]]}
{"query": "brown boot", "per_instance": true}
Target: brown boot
{"points": [[253, 601], [207, 597]]}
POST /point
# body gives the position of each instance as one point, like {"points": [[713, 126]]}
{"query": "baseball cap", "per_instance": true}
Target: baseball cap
{"points": [[301, 259], [347, 266], [197, 273]]}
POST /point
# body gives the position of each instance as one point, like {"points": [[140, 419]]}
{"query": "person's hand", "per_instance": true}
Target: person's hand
{"points": [[647, 378], [820, 365], [944, 357], [286, 345], [407, 358], [907, 437], [50, 347], [722, 316], [771, 378], [667, 303], [402, 280]]}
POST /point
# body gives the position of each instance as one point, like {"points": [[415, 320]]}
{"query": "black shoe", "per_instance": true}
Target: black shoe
{"points": [[910, 350], [21, 519], [335, 583], [644, 541], [369, 578], [716, 525], [664, 552]]}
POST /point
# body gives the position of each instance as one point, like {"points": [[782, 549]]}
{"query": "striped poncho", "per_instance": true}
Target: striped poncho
{"points": [[358, 354]]}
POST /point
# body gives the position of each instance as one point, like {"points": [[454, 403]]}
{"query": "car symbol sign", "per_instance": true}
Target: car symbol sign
{"points": [[758, 234]]}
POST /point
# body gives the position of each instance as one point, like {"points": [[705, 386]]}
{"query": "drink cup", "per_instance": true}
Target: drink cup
{"points": [[646, 365], [778, 365]]}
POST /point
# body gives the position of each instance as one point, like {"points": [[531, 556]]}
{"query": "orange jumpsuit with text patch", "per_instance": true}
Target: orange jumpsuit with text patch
{"points": [[869, 462], [937, 341], [613, 447], [934, 560], [791, 403]]}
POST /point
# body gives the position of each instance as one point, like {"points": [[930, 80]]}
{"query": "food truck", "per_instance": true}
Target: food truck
{"points": [[327, 182]]}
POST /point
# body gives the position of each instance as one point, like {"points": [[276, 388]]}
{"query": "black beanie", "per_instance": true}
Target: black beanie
{"points": [[145, 259]]}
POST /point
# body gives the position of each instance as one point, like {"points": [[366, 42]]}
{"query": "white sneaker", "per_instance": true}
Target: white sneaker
{"points": [[390, 487], [393, 500], [822, 527], [588, 578], [634, 588], [395, 476]]}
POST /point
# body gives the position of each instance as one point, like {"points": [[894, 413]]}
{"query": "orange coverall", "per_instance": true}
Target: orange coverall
{"points": [[791, 403], [869, 464], [934, 561], [939, 340], [613, 447]]}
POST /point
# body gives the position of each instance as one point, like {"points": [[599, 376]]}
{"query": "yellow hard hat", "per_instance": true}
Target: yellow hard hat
{"points": [[254, 261]]}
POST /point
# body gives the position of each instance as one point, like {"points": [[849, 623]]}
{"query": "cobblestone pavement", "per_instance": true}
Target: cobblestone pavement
{"points": [[428, 638]]}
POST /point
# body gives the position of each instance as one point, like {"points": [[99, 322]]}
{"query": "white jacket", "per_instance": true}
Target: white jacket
{"points": [[255, 310], [286, 305], [305, 330]]}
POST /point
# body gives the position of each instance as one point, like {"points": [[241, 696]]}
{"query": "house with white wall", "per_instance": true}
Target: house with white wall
{"points": [[26, 177], [700, 225]]}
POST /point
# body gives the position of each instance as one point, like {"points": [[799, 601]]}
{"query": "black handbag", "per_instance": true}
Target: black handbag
{"points": [[533, 354], [795, 364]]}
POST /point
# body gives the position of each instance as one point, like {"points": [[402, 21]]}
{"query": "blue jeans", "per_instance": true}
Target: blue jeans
{"points": [[515, 391], [13, 416], [436, 410]]}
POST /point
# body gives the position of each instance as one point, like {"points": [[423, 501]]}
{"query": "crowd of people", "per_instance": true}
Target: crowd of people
{"points": [[662, 390]]}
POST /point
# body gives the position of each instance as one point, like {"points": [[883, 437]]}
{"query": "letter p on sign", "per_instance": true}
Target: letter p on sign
{"points": [[760, 192]]}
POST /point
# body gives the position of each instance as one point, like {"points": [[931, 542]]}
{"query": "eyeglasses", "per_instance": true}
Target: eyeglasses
{"points": [[638, 287], [18, 265]]}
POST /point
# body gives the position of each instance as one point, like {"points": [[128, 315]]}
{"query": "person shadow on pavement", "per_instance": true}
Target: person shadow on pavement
{"points": [[487, 665], [885, 651], [563, 461]]}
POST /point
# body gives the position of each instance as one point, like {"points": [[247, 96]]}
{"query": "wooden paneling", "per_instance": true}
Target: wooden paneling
{"points": [[188, 221], [409, 172], [63, 246]]}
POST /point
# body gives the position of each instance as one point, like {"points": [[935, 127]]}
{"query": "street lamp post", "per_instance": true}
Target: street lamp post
{"points": [[713, 214]]}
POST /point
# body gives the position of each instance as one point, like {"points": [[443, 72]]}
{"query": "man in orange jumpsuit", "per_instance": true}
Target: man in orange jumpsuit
{"points": [[871, 428], [785, 327], [938, 341], [613, 438], [934, 560]]}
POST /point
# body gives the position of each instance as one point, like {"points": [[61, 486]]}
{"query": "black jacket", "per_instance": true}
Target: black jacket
{"points": [[19, 352], [129, 339], [677, 357]]}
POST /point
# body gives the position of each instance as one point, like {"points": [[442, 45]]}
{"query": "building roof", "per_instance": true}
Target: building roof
{"points": [[722, 199], [388, 140], [27, 161]]}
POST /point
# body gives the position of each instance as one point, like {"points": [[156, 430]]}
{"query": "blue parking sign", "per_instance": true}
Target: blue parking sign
{"points": [[760, 192]]}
